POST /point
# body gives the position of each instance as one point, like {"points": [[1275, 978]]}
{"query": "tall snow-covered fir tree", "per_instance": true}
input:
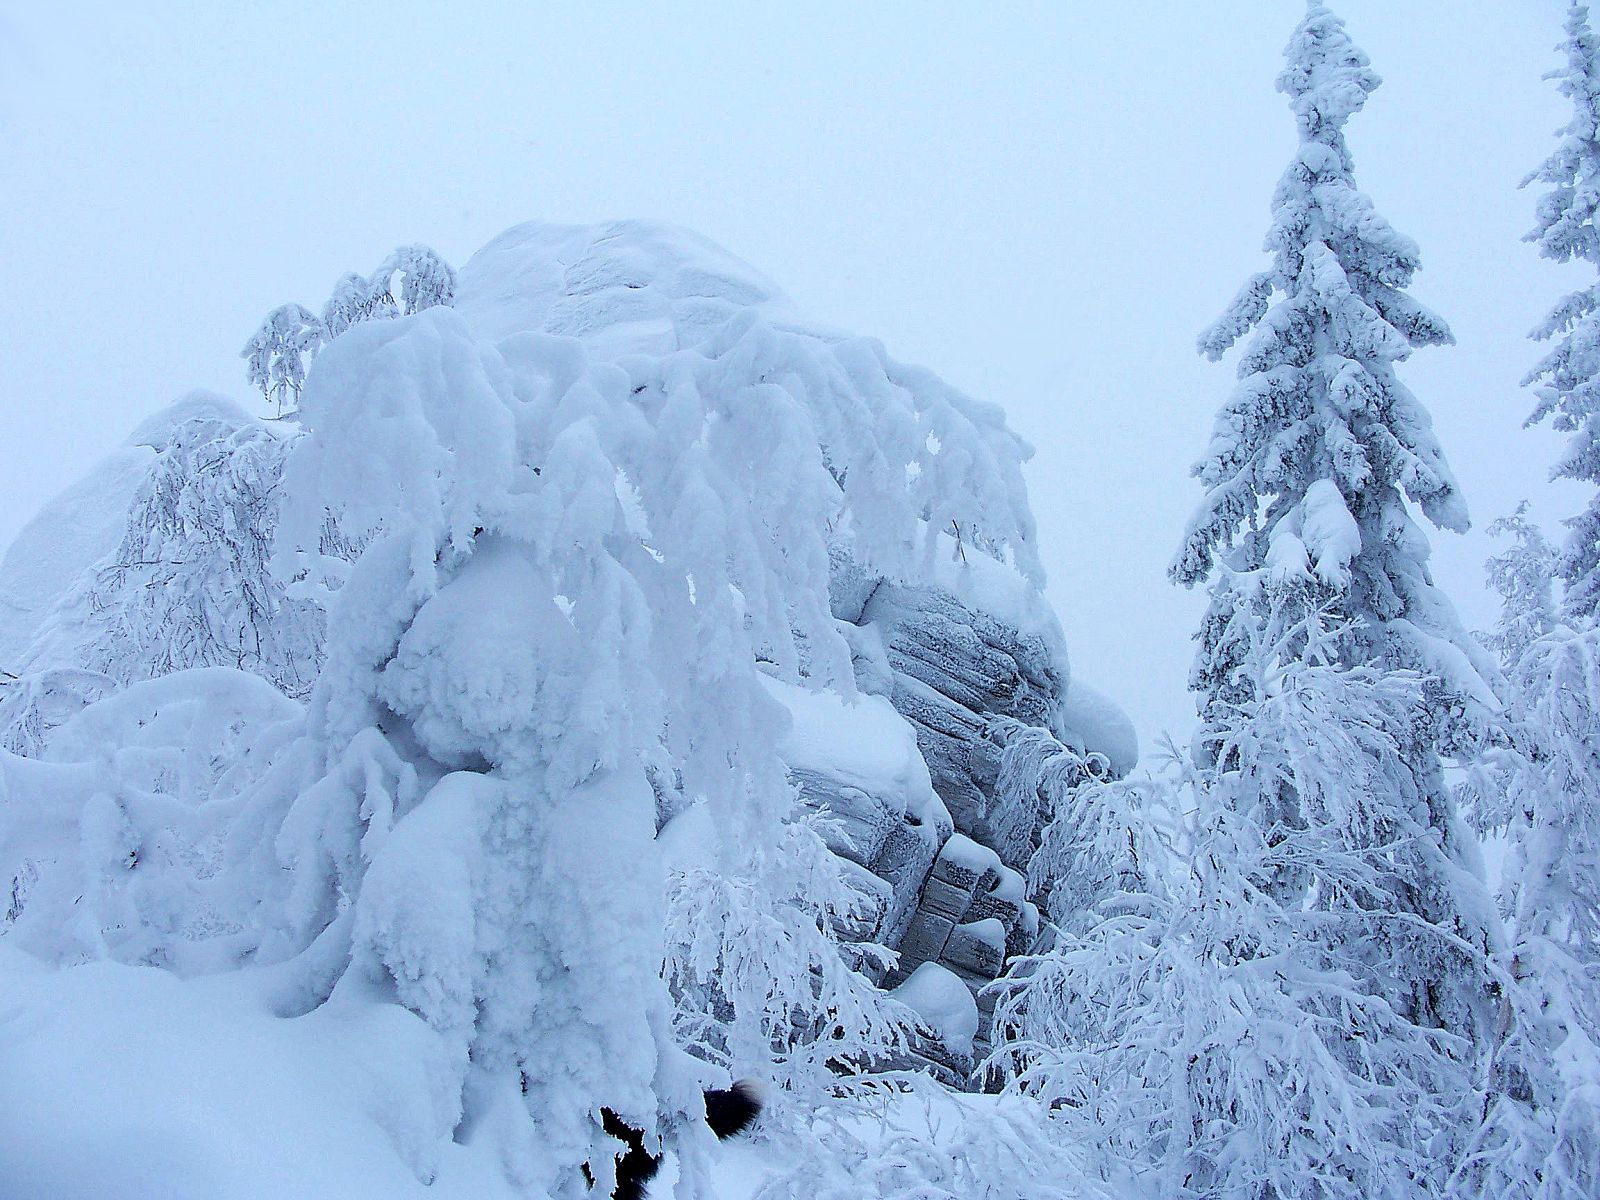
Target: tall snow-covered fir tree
{"points": [[1524, 578], [1310, 467], [1538, 787], [1567, 379]]}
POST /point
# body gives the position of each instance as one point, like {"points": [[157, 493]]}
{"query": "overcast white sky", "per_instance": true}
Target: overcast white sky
{"points": [[1044, 203]]}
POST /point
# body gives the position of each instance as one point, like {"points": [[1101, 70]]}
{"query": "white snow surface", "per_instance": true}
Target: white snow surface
{"points": [[624, 287], [70, 534], [406, 939], [128, 1083], [937, 995], [861, 742], [1102, 724], [221, 413]]}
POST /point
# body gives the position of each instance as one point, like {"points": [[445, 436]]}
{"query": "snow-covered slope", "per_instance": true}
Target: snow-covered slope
{"points": [[72, 533]]}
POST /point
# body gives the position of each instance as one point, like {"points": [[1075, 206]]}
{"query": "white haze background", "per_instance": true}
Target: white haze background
{"points": [[1043, 203]]}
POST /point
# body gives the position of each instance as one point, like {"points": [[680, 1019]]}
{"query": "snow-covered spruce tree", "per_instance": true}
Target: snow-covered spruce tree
{"points": [[1524, 578], [1307, 477], [1213, 1034], [580, 566], [1538, 788], [1568, 378]]}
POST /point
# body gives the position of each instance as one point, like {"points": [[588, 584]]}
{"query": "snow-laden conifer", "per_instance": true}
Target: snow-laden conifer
{"points": [[581, 570], [574, 577], [1567, 379], [1523, 575], [1311, 465], [1538, 790], [1212, 1031]]}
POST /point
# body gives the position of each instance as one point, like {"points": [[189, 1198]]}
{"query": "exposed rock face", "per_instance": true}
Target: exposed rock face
{"points": [[948, 879]]}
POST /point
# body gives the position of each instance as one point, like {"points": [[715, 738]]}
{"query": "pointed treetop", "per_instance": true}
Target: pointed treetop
{"points": [[1328, 78], [1314, 457]]}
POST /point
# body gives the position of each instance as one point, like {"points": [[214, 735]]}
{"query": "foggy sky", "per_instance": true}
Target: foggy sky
{"points": [[1043, 203]]}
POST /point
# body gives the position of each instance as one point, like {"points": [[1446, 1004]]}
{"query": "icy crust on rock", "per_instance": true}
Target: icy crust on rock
{"points": [[589, 540], [861, 744]]}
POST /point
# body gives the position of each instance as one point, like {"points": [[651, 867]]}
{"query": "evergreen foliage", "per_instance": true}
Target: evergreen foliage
{"points": [[1538, 790], [1567, 379], [1311, 464], [1221, 1034]]}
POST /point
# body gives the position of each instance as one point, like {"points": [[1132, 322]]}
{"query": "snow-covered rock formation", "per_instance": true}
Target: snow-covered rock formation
{"points": [[640, 551], [961, 658]]}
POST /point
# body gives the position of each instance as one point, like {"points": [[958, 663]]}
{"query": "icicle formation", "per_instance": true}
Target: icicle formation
{"points": [[279, 354], [1312, 454], [1567, 380]]}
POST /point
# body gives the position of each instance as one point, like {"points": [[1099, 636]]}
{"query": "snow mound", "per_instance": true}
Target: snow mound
{"points": [[862, 743], [125, 1083], [937, 995], [217, 415], [1102, 725], [626, 287]]}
